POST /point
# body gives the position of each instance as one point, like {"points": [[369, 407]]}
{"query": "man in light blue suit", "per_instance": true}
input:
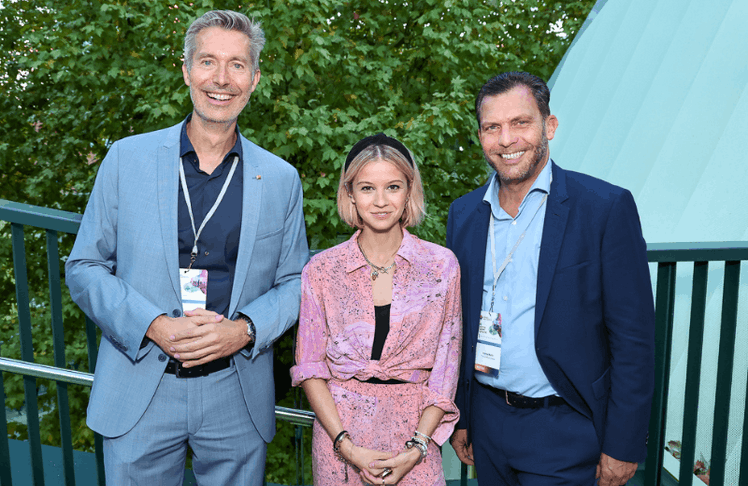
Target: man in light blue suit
{"points": [[188, 258], [557, 371]]}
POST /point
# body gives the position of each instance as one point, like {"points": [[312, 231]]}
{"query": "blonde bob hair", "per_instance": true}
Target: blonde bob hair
{"points": [[415, 209]]}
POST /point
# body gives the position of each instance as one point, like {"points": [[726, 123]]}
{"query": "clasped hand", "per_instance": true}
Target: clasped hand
{"points": [[199, 337], [371, 464]]}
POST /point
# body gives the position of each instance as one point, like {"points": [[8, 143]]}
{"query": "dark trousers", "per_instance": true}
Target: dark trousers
{"points": [[531, 447]]}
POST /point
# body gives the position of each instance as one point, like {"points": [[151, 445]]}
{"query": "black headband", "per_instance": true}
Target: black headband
{"points": [[378, 139]]}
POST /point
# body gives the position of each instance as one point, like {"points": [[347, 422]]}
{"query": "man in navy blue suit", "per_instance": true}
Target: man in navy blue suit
{"points": [[557, 370]]}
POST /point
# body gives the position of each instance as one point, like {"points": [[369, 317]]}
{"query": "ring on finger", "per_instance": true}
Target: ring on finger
{"points": [[386, 472]]}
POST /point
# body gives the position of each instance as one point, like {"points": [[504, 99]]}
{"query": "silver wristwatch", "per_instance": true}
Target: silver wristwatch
{"points": [[250, 328]]}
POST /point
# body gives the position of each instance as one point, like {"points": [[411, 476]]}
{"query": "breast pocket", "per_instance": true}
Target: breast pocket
{"points": [[270, 234], [267, 252], [573, 267]]}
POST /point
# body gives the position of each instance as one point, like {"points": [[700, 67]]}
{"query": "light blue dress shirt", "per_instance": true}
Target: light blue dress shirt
{"points": [[520, 371]]}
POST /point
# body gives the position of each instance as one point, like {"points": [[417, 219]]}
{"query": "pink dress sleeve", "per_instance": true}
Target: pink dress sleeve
{"points": [[312, 336], [442, 384]]}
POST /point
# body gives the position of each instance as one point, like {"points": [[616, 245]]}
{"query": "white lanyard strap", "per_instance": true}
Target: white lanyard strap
{"points": [[497, 273], [196, 233]]}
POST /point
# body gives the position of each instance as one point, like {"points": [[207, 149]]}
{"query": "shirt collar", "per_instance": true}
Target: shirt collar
{"points": [[186, 147], [355, 259], [542, 184]]}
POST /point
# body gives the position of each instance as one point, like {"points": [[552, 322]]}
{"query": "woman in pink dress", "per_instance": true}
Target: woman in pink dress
{"points": [[378, 346]]}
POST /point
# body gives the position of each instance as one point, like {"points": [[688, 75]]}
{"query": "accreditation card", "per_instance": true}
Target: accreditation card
{"points": [[194, 285], [488, 350]]}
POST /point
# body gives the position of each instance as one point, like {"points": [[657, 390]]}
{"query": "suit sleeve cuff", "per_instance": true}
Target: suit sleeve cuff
{"points": [[246, 351]]}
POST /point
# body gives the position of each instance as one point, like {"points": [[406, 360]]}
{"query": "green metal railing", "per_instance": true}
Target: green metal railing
{"points": [[666, 256], [53, 222]]}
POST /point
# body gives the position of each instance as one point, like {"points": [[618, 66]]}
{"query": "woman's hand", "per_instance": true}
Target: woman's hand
{"points": [[362, 458], [400, 466]]}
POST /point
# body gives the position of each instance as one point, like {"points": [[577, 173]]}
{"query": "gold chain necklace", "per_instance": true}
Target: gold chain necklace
{"points": [[375, 270]]}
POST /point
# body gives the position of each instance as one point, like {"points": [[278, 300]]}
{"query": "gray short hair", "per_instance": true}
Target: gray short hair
{"points": [[228, 20]]}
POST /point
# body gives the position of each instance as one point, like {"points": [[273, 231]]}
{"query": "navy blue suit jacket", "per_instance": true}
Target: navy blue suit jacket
{"points": [[594, 314]]}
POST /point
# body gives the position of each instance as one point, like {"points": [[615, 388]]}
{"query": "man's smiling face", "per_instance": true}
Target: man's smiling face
{"points": [[514, 135], [221, 79]]}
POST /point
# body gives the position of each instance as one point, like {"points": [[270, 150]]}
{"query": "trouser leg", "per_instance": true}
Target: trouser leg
{"points": [[551, 446], [154, 451], [227, 448]]}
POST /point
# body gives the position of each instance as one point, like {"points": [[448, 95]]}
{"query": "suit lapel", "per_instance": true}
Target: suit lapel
{"points": [[477, 230], [252, 188], [557, 213], [167, 169]]}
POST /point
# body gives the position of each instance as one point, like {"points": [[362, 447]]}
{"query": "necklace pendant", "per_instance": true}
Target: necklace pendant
{"points": [[374, 275]]}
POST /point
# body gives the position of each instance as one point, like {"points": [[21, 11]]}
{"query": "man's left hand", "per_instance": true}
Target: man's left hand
{"points": [[208, 342], [612, 472]]}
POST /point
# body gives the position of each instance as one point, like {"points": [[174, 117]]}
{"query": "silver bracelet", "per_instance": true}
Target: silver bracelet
{"points": [[420, 445], [428, 439]]}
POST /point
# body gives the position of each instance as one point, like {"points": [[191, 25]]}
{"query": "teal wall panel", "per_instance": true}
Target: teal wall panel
{"points": [[653, 96], [649, 98]]}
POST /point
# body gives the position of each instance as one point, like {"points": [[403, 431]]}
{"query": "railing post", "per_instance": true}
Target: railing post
{"points": [[5, 478], [693, 372], [27, 352], [664, 308], [743, 479], [93, 353], [725, 364], [58, 338]]}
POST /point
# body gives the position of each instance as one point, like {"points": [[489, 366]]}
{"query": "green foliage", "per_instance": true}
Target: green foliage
{"points": [[281, 463], [77, 75]]}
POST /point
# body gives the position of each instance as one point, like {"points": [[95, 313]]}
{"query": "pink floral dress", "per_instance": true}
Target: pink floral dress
{"points": [[422, 349]]}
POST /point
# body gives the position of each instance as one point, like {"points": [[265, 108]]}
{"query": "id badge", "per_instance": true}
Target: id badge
{"points": [[194, 285], [488, 350]]}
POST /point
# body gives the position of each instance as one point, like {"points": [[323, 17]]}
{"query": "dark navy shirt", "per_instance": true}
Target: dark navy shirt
{"points": [[218, 245]]}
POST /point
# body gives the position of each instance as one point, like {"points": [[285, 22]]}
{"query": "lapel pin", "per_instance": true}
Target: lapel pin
{"points": [[258, 176]]}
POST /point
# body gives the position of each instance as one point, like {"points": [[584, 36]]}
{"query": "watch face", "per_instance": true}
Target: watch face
{"points": [[250, 328]]}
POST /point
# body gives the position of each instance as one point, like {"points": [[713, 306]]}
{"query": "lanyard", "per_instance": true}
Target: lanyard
{"points": [[183, 180], [497, 273]]}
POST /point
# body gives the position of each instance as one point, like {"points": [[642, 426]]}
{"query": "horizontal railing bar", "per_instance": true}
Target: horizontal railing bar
{"points": [[68, 222], [40, 217], [703, 251], [45, 371], [294, 416]]}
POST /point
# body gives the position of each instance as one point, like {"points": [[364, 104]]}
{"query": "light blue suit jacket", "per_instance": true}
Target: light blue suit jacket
{"points": [[123, 272]]}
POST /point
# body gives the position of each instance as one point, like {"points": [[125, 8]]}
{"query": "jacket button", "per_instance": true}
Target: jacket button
{"points": [[162, 357], [176, 313]]}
